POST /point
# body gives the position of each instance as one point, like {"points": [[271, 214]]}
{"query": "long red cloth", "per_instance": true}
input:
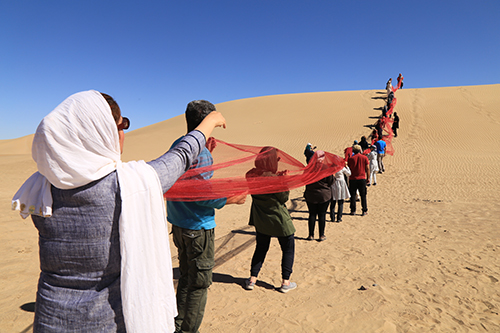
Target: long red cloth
{"points": [[386, 124], [231, 162]]}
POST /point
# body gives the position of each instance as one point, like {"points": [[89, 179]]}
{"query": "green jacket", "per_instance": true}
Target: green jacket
{"points": [[270, 216]]}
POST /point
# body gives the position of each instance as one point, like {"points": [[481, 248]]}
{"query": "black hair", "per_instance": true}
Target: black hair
{"points": [[196, 111]]}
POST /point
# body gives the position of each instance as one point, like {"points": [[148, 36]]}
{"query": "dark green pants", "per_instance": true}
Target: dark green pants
{"points": [[196, 260]]}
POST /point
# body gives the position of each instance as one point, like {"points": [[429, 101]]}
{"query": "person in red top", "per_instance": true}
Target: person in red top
{"points": [[400, 81], [360, 176]]}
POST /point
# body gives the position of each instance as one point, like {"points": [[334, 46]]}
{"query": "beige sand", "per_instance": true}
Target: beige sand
{"points": [[427, 253]]}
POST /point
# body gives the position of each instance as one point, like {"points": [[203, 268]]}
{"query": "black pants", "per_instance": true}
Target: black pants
{"points": [[340, 210], [358, 185], [287, 244], [318, 210]]}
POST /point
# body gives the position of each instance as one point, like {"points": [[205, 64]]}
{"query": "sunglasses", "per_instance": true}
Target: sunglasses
{"points": [[124, 125]]}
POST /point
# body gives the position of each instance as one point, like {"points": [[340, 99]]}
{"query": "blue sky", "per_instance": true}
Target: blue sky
{"points": [[154, 57]]}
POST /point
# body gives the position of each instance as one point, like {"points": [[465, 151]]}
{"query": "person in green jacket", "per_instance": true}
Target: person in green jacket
{"points": [[271, 218]]}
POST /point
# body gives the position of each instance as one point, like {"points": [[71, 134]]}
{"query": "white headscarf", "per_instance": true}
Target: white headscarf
{"points": [[78, 143]]}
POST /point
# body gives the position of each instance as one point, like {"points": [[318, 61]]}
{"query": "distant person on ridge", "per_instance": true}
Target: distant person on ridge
{"points": [[388, 86], [400, 81], [395, 124]]}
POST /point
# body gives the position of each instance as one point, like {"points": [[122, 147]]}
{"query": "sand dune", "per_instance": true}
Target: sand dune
{"points": [[427, 252]]}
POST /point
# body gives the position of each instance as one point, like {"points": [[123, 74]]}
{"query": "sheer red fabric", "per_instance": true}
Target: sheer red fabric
{"points": [[400, 80], [231, 164], [386, 124], [392, 106]]}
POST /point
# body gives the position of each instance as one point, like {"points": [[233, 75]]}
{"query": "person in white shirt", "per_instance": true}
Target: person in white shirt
{"points": [[372, 157], [340, 192]]}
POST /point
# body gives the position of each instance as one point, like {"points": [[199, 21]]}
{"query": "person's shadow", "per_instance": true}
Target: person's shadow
{"points": [[226, 278], [244, 232]]}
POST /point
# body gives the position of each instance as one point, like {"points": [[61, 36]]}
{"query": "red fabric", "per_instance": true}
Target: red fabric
{"points": [[374, 136], [233, 161], [357, 164], [400, 79], [347, 153], [391, 107]]}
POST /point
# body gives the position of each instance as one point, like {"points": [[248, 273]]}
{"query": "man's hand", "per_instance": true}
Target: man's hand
{"points": [[237, 199]]}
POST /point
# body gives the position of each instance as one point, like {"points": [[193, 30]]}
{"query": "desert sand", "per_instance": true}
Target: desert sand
{"points": [[427, 254]]}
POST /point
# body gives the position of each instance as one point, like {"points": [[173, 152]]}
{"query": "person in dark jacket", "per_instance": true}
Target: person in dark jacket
{"points": [[271, 218], [309, 152], [395, 124], [318, 196], [364, 144]]}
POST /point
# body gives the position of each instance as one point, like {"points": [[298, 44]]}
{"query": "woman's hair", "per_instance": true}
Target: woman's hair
{"points": [[115, 109], [196, 111]]}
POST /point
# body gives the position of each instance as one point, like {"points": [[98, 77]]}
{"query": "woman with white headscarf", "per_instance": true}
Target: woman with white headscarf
{"points": [[103, 238]]}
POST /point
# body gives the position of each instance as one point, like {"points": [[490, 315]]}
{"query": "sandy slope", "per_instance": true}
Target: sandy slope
{"points": [[427, 253]]}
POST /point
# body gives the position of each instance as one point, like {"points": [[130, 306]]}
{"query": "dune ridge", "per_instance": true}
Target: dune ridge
{"points": [[426, 254]]}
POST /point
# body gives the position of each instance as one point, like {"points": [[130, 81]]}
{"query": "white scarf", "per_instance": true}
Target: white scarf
{"points": [[78, 143]]}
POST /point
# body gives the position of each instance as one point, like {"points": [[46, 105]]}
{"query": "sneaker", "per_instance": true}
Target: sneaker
{"points": [[285, 289], [310, 238], [322, 238], [249, 284], [339, 220], [364, 213], [374, 184], [370, 184]]}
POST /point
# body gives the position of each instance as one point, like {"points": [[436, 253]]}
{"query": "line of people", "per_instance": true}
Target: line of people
{"points": [[104, 246], [91, 246], [363, 161]]}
